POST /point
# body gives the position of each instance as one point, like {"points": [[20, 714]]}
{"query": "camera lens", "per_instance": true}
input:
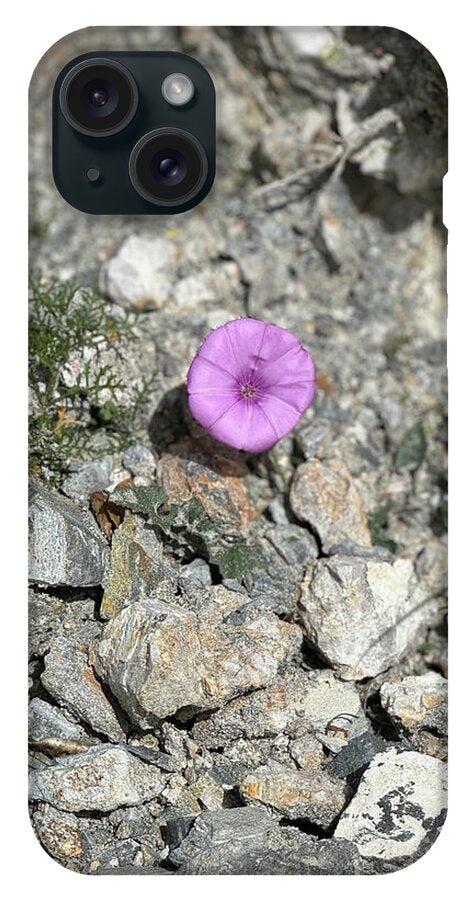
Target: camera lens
{"points": [[168, 166], [98, 97]]}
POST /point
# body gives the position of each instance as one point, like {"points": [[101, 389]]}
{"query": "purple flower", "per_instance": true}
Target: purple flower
{"points": [[250, 383]]}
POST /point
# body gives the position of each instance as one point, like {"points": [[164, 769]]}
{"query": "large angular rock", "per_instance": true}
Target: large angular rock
{"points": [[363, 615], [70, 679], [101, 779], [324, 495], [205, 498], [312, 795], [159, 659], [140, 273], [399, 807], [136, 571], [248, 841], [295, 704], [65, 545]]}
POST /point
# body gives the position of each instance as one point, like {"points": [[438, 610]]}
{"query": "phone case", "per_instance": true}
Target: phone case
{"points": [[238, 656]]}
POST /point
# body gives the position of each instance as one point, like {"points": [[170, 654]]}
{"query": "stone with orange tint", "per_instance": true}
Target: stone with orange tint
{"points": [[296, 794], [324, 495], [159, 659], [218, 478]]}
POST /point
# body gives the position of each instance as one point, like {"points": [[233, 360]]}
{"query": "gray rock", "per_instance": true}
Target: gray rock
{"points": [[417, 702], [44, 617], [140, 273], [399, 807], [247, 841], [87, 477], [65, 543], [363, 615], [295, 704], [294, 544], [71, 680], [158, 658], [139, 460], [274, 583], [195, 576], [101, 779], [313, 795], [323, 494], [46, 723]]}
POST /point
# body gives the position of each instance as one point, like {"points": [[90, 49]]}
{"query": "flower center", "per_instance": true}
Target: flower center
{"points": [[248, 391]]}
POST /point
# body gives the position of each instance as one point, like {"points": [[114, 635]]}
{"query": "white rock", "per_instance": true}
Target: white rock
{"points": [[140, 273], [399, 806], [309, 42], [362, 614]]}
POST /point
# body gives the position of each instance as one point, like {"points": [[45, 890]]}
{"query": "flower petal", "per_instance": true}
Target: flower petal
{"points": [[209, 408], [246, 427], [298, 395]]}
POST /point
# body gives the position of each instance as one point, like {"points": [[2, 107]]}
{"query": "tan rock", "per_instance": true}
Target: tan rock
{"points": [[217, 480], [58, 832], [159, 659], [324, 495], [312, 795], [417, 701]]}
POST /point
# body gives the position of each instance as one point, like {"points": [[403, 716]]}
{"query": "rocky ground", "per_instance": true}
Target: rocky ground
{"points": [[238, 663]]}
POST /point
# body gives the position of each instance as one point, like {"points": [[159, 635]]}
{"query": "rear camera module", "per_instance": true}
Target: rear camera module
{"points": [[98, 97], [168, 166]]}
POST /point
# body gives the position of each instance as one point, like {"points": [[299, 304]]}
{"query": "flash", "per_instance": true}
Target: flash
{"points": [[177, 89]]}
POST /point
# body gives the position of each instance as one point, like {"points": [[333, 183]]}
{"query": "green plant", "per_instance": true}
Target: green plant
{"points": [[378, 524], [187, 523], [67, 320]]}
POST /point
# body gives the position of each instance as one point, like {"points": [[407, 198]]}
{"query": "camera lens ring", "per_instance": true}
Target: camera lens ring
{"points": [[149, 147], [122, 87]]}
